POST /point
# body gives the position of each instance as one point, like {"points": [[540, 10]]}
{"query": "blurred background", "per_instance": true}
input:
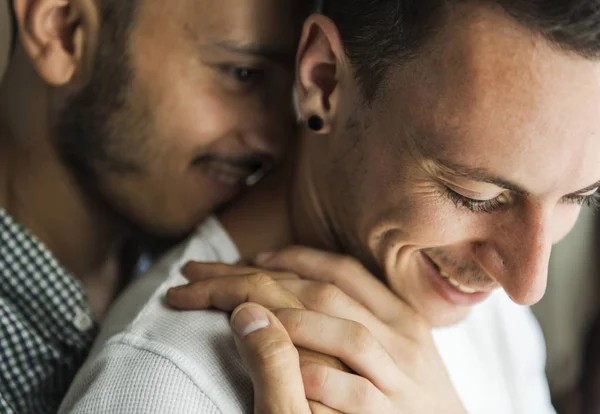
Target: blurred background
{"points": [[570, 318], [569, 313]]}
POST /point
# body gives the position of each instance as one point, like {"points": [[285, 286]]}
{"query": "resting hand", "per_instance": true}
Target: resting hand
{"points": [[272, 362], [411, 372]]}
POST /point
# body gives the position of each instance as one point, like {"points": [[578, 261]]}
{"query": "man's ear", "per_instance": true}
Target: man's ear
{"points": [[59, 36], [320, 63]]}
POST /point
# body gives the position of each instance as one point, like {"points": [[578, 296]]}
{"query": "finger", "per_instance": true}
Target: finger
{"points": [[318, 408], [271, 360], [331, 300], [342, 391], [228, 292], [346, 273], [307, 355], [195, 271], [347, 340], [201, 270]]}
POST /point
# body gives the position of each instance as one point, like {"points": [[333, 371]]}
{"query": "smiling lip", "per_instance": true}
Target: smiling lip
{"points": [[227, 180], [446, 290]]}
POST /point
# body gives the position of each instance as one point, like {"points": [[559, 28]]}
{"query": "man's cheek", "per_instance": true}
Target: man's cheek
{"points": [[434, 230]]}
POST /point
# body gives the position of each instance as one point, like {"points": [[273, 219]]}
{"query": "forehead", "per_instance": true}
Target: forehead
{"points": [[492, 93], [236, 20]]}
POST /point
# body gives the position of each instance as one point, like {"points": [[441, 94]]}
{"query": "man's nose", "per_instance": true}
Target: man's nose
{"points": [[517, 254]]}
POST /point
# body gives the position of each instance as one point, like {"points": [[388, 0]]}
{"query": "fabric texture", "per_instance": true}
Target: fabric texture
{"points": [[152, 359], [46, 325]]}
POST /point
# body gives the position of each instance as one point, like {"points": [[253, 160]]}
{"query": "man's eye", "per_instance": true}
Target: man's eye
{"points": [[244, 74], [591, 200], [475, 206]]}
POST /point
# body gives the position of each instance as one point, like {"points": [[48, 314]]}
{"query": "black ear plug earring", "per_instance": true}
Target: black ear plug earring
{"points": [[316, 123]]}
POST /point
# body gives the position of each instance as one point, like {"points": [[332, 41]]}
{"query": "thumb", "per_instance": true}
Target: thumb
{"points": [[271, 360]]}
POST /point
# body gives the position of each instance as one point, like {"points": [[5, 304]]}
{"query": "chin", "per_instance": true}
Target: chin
{"points": [[450, 317], [180, 227], [167, 225]]}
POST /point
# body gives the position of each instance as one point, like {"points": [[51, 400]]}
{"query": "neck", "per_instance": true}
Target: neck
{"points": [[38, 190], [284, 209]]}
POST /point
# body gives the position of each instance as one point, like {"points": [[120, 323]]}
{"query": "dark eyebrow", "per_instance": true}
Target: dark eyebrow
{"points": [[277, 54], [484, 176]]}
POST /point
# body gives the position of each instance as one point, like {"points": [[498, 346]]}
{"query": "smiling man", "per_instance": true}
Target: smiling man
{"points": [[446, 146], [121, 119]]}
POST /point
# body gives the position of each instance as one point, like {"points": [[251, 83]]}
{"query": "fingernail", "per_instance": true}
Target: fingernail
{"points": [[264, 257], [249, 319]]}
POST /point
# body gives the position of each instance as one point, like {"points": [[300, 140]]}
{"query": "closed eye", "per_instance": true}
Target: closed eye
{"points": [[475, 206], [590, 200]]}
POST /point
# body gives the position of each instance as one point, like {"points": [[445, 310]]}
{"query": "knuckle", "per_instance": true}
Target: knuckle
{"points": [[291, 319], [260, 279], [322, 360], [314, 375], [325, 296], [361, 339], [276, 351]]}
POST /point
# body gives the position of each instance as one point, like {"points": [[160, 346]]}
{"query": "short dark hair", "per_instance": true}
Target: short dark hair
{"points": [[119, 15], [380, 33]]}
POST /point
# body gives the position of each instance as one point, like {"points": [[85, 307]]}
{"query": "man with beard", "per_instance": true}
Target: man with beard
{"points": [[121, 119], [446, 146]]}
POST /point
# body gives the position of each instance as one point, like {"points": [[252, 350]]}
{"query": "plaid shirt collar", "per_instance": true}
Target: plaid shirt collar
{"points": [[46, 325]]}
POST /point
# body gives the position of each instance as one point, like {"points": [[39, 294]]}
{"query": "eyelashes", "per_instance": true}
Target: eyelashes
{"points": [[475, 206], [591, 201], [495, 204]]}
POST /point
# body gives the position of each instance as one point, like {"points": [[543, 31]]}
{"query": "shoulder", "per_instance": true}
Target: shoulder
{"points": [[166, 364], [129, 377], [209, 243], [158, 357]]}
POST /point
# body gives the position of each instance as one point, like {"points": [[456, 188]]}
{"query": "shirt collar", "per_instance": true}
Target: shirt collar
{"points": [[44, 292]]}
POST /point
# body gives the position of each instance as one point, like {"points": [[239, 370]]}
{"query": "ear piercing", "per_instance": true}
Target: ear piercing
{"points": [[316, 123]]}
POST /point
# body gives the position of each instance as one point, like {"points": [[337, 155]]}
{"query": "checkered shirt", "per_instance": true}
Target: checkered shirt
{"points": [[46, 327]]}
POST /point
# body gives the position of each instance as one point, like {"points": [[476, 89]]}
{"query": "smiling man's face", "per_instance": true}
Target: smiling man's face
{"points": [[187, 100], [475, 160]]}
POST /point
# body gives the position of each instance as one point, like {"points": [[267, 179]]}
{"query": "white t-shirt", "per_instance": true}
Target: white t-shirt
{"points": [[151, 359]]}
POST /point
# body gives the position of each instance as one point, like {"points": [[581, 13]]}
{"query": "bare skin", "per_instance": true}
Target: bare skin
{"points": [[162, 126], [455, 183]]}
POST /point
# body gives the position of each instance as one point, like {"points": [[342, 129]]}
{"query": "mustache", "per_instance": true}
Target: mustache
{"points": [[255, 165], [470, 271]]}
